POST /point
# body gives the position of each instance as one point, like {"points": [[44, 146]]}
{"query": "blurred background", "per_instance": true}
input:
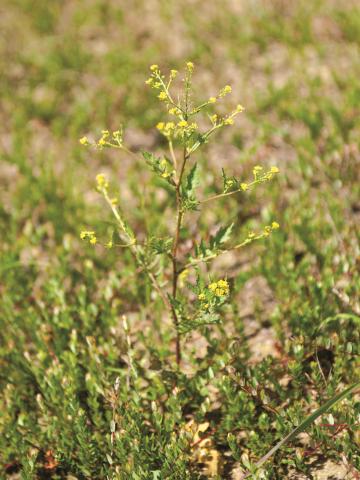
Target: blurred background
{"points": [[70, 68], [74, 68]]}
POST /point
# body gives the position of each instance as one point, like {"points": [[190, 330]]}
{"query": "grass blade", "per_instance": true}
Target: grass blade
{"points": [[305, 424]]}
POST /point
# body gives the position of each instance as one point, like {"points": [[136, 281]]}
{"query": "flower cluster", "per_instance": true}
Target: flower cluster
{"points": [[268, 229], [184, 128], [232, 185], [214, 294], [102, 183], [262, 176], [88, 235], [159, 82], [107, 139], [228, 119], [164, 167], [84, 141], [180, 129], [223, 92], [220, 288], [167, 129]]}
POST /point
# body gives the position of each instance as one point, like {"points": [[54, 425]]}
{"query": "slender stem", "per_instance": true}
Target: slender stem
{"points": [[217, 254], [134, 248], [180, 216], [124, 149], [174, 253], [221, 195], [170, 100], [204, 137]]}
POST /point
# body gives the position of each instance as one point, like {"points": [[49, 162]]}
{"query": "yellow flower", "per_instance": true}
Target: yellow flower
{"points": [[166, 128], [228, 121], [162, 96], [102, 142], [244, 186], [174, 111], [213, 118], [101, 181], [201, 296], [222, 288], [90, 235], [256, 170], [114, 201], [183, 124], [267, 231], [154, 67], [190, 66], [109, 244], [84, 141], [223, 284], [212, 100], [275, 225], [183, 276], [239, 108], [274, 170], [224, 91], [173, 73]]}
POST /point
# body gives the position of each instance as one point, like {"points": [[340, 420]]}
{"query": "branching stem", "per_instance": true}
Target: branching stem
{"points": [[134, 248]]}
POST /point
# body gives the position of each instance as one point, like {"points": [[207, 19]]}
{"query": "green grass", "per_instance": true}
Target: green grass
{"points": [[69, 381]]}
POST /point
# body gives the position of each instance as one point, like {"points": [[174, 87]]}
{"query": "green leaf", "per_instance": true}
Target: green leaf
{"points": [[188, 325], [149, 157], [189, 201], [221, 236], [192, 181], [159, 165], [160, 245]]}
